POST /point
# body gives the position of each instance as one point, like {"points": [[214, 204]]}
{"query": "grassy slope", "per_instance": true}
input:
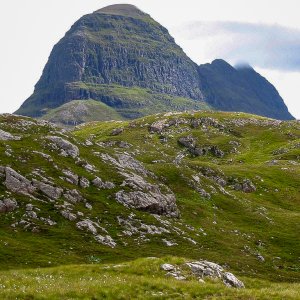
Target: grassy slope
{"points": [[81, 111], [234, 225]]}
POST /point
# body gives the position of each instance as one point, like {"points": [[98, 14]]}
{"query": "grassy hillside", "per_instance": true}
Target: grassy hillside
{"points": [[235, 179]]}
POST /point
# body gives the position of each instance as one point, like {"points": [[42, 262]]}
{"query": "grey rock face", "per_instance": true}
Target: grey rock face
{"points": [[84, 182], [205, 268], [231, 281], [167, 267], [117, 131], [65, 146], [106, 240], [102, 185], [158, 126], [68, 215], [6, 136], [87, 225], [73, 196], [71, 177], [8, 205], [47, 189], [246, 186], [17, 183]]}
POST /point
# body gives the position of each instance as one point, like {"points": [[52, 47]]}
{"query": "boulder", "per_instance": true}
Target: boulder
{"points": [[158, 126], [48, 190], [167, 267], [17, 183], [117, 131], [102, 185], [6, 136], [8, 205], [65, 146], [106, 240], [87, 225], [231, 281], [73, 196], [212, 270], [84, 182]]}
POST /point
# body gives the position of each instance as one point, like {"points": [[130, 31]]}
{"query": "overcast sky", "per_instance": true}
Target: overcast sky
{"points": [[263, 33]]}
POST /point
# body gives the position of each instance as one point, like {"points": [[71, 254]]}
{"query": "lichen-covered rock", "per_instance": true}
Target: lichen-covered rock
{"points": [[103, 185], [68, 215], [84, 182], [87, 225], [17, 183], [158, 126], [106, 240], [231, 281], [6, 136], [47, 189], [117, 131], [73, 196], [247, 186], [205, 268], [71, 177], [66, 147], [8, 205]]}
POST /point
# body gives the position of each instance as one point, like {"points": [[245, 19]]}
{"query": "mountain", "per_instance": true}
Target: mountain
{"points": [[240, 89], [127, 62], [115, 200], [121, 57]]}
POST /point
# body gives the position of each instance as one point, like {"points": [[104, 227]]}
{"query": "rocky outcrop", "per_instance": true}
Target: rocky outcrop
{"points": [[147, 197], [97, 182], [205, 268], [8, 205], [6, 136], [65, 147], [48, 190], [17, 183]]}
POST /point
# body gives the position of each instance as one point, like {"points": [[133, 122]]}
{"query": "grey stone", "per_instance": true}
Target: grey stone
{"points": [[67, 147], [102, 185], [231, 281], [8, 205], [73, 196], [47, 189], [6, 136], [84, 182], [106, 240], [167, 267], [17, 183]]}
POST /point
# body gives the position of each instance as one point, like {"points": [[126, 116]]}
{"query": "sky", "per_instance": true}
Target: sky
{"points": [[262, 33]]}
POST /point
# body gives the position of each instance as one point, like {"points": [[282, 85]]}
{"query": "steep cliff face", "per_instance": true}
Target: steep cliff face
{"points": [[118, 45], [240, 89]]}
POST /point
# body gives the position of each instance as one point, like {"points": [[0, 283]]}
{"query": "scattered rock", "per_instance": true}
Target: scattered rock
{"points": [[6, 136], [167, 267], [66, 147], [106, 240], [103, 185], [117, 131], [17, 183], [71, 177], [158, 126], [73, 196], [231, 281], [84, 183], [8, 205], [47, 189]]}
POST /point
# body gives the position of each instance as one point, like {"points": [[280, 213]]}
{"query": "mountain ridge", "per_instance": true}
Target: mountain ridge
{"points": [[122, 46]]}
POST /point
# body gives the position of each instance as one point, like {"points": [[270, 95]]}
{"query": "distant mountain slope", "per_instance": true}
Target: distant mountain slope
{"points": [[118, 45], [122, 58], [240, 89]]}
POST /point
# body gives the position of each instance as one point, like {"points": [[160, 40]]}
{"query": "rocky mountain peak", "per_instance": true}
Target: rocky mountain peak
{"points": [[127, 10]]}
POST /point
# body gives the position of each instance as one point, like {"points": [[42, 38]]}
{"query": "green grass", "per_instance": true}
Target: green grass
{"points": [[237, 225], [139, 279]]}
